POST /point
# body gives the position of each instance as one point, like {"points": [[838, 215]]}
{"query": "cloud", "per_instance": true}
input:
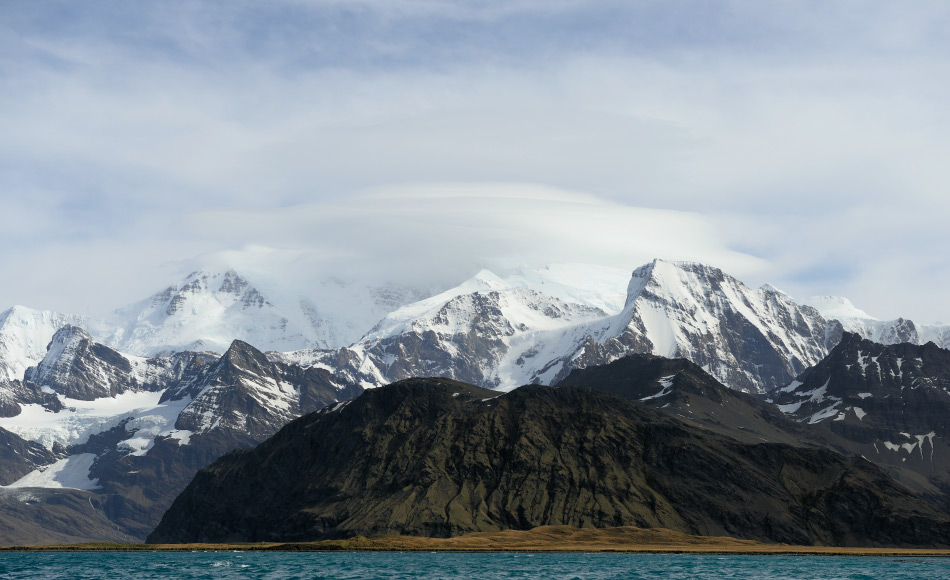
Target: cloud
{"points": [[801, 143], [444, 233]]}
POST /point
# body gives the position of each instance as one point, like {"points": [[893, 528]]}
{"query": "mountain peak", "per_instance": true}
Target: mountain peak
{"points": [[698, 312], [488, 279], [770, 289], [240, 349], [673, 280], [836, 308], [66, 338], [78, 367]]}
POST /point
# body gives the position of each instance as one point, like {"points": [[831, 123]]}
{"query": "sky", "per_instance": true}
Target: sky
{"points": [[804, 144]]}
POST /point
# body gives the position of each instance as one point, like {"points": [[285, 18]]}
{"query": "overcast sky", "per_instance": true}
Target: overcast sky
{"points": [[806, 144]]}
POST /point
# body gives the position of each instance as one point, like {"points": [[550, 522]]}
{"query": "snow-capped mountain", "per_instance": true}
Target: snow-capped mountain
{"points": [[533, 325], [206, 312], [209, 309], [131, 431], [498, 331], [77, 367], [750, 339], [855, 320], [245, 392], [489, 330]]}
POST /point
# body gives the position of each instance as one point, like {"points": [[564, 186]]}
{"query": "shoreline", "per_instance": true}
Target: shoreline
{"points": [[548, 539]]}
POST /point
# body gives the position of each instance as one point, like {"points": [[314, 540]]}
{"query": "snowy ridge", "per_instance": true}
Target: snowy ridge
{"points": [[78, 367], [700, 313], [129, 404], [207, 311], [245, 392], [532, 327], [583, 287], [529, 325], [852, 319], [490, 330]]}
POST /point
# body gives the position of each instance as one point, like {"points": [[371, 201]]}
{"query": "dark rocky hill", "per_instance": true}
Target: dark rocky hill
{"points": [[435, 457], [890, 404], [682, 389]]}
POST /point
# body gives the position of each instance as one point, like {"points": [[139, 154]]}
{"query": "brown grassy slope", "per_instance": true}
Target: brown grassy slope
{"points": [[541, 539]]}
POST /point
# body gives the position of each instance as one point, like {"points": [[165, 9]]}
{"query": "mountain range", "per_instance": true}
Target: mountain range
{"points": [[531, 326], [119, 414]]}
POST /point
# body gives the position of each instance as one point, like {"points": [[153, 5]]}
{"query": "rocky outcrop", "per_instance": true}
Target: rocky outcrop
{"points": [[247, 393], [19, 457], [78, 367], [680, 388], [889, 403], [436, 457]]}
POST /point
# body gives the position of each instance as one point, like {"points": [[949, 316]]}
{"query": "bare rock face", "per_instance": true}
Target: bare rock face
{"points": [[436, 457], [681, 389], [33, 517], [19, 457], [80, 368], [889, 403]]}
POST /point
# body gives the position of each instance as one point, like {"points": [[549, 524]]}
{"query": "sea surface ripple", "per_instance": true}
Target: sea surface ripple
{"points": [[442, 565]]}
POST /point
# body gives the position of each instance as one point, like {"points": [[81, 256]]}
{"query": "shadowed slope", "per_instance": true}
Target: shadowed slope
{"points": [[435, 457]]}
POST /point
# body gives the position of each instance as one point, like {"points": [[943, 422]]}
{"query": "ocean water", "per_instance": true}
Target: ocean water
{"points": [[442, 565]]}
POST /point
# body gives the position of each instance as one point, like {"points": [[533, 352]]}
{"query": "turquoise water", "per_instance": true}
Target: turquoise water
{"points": [[405, 566]]}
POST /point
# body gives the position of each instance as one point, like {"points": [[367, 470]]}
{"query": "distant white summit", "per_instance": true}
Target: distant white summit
{"points": [[206, 311]]}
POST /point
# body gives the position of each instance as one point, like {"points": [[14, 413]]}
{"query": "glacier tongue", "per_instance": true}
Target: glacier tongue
{"points": [[68, 473]]}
